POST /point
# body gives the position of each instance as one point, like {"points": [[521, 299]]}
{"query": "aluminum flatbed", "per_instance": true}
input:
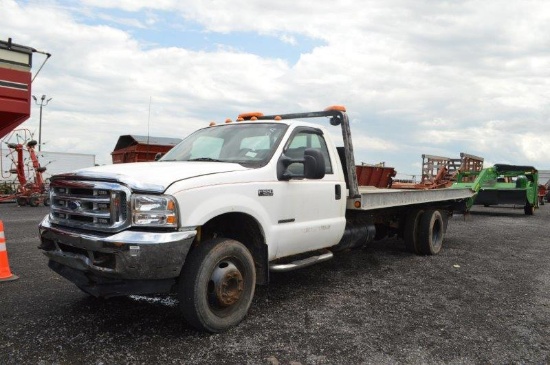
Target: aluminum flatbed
{"points": [[372, 198]]}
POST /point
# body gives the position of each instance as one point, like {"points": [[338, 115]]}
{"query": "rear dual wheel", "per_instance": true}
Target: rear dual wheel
{"points": [[217, 284], [432, 231], [411, 233], [424, 231]]}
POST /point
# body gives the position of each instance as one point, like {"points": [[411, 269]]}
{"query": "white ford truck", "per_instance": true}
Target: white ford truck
{"points": [[221, 210]]}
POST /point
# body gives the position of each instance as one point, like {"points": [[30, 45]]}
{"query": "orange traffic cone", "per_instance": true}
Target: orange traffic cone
{"points": [[5, 273]]}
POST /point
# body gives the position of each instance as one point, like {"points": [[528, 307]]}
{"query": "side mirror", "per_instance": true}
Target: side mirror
{"points": [[313, 166]]}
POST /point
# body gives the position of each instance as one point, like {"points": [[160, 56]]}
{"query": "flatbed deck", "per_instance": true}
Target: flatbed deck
{"points": [[376, 198]]}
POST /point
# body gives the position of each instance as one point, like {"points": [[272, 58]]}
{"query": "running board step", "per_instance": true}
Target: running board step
{"points": [[319, 257]]}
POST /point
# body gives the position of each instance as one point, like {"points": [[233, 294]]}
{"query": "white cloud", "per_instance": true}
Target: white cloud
{"points": [[288, 39]]}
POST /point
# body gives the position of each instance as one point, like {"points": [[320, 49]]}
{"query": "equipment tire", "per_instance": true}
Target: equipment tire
{"points": [[529, 209], [47, 202], [217, 284], [21, 201], [34, 201], [411, 231], [432, 231]]}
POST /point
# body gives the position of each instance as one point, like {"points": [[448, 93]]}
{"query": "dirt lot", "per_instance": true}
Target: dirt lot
{"points": [[484, 299]]}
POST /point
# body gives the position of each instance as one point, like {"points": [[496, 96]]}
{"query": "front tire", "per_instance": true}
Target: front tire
{"points": [[217, 284]]}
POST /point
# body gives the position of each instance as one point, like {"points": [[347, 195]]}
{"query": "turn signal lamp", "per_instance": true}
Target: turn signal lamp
{"points": [[357, 204], [338, 108]]}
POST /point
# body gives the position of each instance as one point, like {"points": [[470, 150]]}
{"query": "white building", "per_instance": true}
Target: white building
{"points": [[55, 163]]}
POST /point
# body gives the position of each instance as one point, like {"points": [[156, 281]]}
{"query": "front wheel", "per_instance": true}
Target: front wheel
{"points": [[217, 284]]}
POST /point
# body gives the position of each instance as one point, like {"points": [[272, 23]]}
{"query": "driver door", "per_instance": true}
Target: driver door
{"points": [[312, 212]]}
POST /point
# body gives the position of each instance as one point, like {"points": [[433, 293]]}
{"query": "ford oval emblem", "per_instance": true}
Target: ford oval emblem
{"points": [[74, 205]]}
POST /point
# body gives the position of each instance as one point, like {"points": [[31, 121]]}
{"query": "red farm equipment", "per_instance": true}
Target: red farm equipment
{"points": [[543, 191], [440, 172], [15, 108], [31, 189]]}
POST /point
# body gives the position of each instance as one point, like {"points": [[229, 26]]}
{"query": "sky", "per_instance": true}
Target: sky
{"points": [[417, 77]]}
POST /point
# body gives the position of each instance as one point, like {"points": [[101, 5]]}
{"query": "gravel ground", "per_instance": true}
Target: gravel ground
{"points": [[485, 299]]}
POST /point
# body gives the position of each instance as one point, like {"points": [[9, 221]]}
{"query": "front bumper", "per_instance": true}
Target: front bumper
{"points": [[127, 255]]}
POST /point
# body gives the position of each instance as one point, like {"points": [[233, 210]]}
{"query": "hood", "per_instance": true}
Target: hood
{"points": [[153, 176]]}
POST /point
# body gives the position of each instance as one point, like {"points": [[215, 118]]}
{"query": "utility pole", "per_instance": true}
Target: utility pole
{"points": [[43, 103]]}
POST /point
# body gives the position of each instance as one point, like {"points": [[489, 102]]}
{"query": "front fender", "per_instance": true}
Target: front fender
{"points": [[200, 205]]}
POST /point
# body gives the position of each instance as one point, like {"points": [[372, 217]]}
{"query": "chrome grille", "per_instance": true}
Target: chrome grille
{"points": [[90, 205]]}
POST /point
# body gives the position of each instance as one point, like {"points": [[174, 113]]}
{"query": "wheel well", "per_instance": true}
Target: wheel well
{"points": [[243, 228]]}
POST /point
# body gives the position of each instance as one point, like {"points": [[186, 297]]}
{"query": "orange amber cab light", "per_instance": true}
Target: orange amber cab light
{"points": [[251, 115], [240, 119], [338, 108], [278, 117], [211, 124], [228, 120], [357, 204]]}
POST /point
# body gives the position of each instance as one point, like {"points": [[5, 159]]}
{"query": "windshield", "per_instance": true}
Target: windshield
{"points": [[249, 144]]}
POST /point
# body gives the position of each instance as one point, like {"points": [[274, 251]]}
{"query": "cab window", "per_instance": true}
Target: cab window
{"points": [[300, 142]]}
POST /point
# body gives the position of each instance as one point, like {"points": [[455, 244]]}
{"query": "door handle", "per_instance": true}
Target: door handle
{"points": [[338, 191]]}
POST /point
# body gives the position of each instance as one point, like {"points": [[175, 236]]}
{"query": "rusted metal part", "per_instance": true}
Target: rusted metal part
{"points": [[440, 172], [32, 189], [438, 182], [542, 191], [469, 163], [378, 176], [431, 166], [227, 284]]}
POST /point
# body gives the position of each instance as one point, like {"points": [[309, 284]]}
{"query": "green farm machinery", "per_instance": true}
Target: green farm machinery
{"points": [[502, 184]]}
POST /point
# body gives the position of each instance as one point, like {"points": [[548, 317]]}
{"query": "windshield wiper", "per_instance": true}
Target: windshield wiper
{"points": [[205, 159]]}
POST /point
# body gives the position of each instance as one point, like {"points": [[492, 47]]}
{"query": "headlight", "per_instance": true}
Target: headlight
{"points": [[154, 211]]}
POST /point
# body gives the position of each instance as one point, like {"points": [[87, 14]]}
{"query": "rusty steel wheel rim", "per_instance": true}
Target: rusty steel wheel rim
{"points": [[225, 287]]}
